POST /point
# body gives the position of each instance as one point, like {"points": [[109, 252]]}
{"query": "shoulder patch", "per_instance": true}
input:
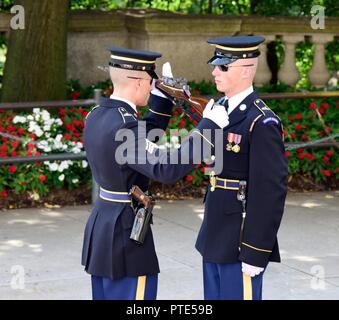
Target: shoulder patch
{"points": [[270, 120], [125, 114]]}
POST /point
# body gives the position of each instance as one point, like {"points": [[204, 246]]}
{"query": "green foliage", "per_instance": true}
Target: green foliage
{"points": [[332, 55], [5, 5], [304, 60]]}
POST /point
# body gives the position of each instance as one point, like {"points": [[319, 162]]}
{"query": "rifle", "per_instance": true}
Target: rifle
{"points": [[179, 92], [143, 214]]}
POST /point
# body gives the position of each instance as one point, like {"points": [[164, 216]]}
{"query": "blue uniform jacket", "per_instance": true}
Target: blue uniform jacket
{"points": [[261, 162], [107, 249]]}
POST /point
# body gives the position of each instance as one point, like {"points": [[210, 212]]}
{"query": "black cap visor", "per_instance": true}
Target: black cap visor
{"points": [[221, 60]]}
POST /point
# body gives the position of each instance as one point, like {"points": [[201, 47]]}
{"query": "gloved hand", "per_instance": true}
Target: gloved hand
{"points": [[216, 113], [166, 72], [251, 270]]}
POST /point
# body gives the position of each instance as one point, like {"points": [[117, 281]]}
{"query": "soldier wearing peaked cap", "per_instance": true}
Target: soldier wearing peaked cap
{"points": [[120, 268], [244, 203]]}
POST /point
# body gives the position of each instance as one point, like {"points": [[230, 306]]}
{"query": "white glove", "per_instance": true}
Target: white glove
{"points": [[166, 72], [217, 113], [251, 270]]}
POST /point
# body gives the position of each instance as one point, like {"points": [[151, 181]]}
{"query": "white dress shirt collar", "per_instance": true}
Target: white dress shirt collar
{"points": [[124, 100], [234, 101]]}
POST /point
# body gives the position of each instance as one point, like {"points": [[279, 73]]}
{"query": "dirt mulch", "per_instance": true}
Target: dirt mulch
{"points": [[300, 183], [181, 190]]}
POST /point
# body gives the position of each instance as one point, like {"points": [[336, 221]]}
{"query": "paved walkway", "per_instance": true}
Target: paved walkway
{"points": [[44, 245]]}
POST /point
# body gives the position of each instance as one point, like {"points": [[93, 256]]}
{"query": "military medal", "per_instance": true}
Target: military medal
{"points": [[236, 148], [237, 140], [230, 138]]}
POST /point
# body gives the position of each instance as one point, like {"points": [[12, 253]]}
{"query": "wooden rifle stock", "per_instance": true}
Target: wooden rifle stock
{"points": [[178, 91]]}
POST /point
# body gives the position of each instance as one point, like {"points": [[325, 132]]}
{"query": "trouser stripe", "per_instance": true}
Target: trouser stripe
{"points": [[140, 294], [247, 283]]}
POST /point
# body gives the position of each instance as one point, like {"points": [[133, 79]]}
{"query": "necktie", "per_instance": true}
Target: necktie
{"points": [[226, 105]]}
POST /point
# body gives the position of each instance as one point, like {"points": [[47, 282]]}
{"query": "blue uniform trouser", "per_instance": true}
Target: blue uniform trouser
{"points": [[127, 288], [227, 282]]}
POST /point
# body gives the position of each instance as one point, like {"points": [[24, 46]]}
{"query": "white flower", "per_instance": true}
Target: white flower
{"points": [[84, 164], [36, 110], [45, 115], [39, 132], [76, 150], [53, 167], [75, 180], [19, 119], [57, 146], [63, 165], [47, 149], [47, 127], [30, 117], [61, 177], [79, 145], [58, 137], [32, 124]]}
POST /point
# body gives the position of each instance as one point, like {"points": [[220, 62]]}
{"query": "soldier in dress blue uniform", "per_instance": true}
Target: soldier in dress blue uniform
{"points": [[244, 203], [120, 268]]}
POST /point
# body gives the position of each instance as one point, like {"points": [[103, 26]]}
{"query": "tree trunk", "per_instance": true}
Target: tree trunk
{"points": [[35, 68]]}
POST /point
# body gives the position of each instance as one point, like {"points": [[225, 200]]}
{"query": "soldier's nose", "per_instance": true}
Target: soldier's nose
{"points": [[215, 71]]}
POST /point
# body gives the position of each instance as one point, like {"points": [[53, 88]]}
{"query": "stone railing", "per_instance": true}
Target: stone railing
{"points": [[182, 41]]}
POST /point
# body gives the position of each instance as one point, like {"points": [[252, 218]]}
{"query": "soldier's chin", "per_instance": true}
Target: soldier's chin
{"points": [[220, 87]]}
